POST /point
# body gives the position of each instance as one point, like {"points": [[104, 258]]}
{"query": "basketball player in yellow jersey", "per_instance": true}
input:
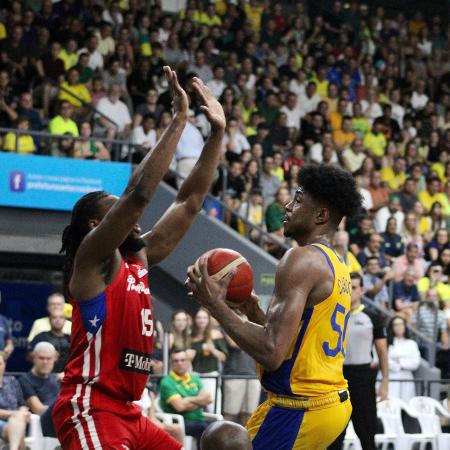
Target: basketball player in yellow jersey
{"points": [[300, 344]]}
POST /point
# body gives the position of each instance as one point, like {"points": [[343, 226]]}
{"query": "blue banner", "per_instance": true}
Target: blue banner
{"points": [[45, 182]]}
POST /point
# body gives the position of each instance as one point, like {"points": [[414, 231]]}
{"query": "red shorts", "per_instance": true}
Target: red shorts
{"points": [[108, 431]]}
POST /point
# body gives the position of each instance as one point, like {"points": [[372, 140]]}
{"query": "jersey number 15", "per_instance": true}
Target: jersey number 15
{"points": [[339, 309], [147, 322]]}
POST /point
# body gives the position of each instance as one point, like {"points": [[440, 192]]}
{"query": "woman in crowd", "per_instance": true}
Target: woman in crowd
{"points": [[404, 358], [90, 149], [180, 331], [411, 233], [14, 416]]}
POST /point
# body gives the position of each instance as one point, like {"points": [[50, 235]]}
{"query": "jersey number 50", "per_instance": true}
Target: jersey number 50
{"points": [[147, 322], [339, 309]]}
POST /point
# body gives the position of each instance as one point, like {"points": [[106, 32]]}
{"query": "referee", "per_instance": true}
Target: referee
{"points": [[364, 329]]}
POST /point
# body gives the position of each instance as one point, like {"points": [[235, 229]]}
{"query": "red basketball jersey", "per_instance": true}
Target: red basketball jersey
{"points": [[111, 344]]}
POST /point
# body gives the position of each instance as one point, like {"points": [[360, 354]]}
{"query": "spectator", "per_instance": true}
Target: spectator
{"points": [[430, 321], [379, 193], [216, 84], [183, 393], [24, 144], [40, 386], [408, 195], [189, 148], [55, 305], [434, 279], [432, 194], [180, 331], [341, 245], [63, 123], [393, 209], [404, 358], [26, 109], [117, 111], [234, 141], [144, 137], [91, 48], [410, 260], [201, 68], [344, 137], [353, 156], [375, 282], [394, 176], [92, 149], [253, 211], [269, 183], [241, 395], [373, 248], [6, 338], [75, 92], [150, 106], [406, 295], [14, 416], [375, 140], [262, 137], [56, 337], [275, 212], [392, 242], [438, 243]]}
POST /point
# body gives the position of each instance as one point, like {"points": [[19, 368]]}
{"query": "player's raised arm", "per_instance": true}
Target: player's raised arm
{"points": [[174, 224], [113, 222], [297, 276]]}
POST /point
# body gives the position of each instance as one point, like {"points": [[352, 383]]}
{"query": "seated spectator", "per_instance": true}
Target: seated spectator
{"points": [[375, 140], [180, 331], [435, 279], [55, 305], [360, 234], [392, 241], [404, 358], [116, 110], [253, 211], [341, 245], [26, 109], [74, 92], [40, 386], [216, 84], [116, 75], [438, 243], [430, 321], [241, 396], [344, 137], [183, 393], [394, 176], [432, 194], [375, 281], [57, 338], [150, 106], [353, 156], [262, 137], [269, 183], [14, 416], [275, 212], [444, 260], [234, 141], [143, 138], [373, 248], [408, 195], [63, 123], [24, 144], [379, 193], [90, 149], [410, 234], [393, 209], [406, 295], [6, 341], [411, 260], [436, 218]]}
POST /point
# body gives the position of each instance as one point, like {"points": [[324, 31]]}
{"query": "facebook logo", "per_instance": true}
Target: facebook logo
{"points": [[17, 181]]}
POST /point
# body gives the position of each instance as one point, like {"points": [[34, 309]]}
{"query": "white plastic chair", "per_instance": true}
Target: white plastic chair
{"points": [[427, 409], [35, 440], [351, 440], [389, 411]]}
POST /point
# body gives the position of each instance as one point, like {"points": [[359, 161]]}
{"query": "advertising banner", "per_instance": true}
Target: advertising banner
{"points": [[45, 182]]}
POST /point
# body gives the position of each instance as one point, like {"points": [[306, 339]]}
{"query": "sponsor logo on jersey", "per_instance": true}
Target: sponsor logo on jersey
{"points": [[138, 287], [135, 361]]}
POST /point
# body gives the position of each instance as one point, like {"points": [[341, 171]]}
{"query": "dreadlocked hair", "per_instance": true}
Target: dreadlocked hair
{"points": [[74, 233]]}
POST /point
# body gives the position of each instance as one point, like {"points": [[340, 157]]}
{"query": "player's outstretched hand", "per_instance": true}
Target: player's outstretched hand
{"points": [[205, 289], [210, 106], [179, 96]]}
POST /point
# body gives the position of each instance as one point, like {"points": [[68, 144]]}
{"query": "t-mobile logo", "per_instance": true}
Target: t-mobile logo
{"points": [[17, 181]]}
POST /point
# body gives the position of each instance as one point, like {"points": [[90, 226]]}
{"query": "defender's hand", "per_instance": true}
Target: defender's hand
{"points": [[179, 96], [210, 106]]}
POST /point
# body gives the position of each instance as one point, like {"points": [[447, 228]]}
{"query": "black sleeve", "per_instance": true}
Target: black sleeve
{"points": [[27, 388], [379, 330]]}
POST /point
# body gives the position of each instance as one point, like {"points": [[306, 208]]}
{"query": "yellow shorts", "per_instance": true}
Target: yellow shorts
{"points": [[283, 423]]}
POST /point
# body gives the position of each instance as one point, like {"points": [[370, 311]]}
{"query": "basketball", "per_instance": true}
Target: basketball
{"points": [[223, 260]]}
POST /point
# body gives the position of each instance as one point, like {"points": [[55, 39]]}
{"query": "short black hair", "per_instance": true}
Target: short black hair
{"points": [[357, 276], [333, 187]]}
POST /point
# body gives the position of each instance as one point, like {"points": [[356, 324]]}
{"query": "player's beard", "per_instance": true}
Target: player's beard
{"points": [[132, 244]]}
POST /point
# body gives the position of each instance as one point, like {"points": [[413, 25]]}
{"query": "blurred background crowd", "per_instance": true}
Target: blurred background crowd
{"points": [[353, 85]]}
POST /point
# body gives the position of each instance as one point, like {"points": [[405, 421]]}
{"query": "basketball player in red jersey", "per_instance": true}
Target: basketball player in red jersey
{"points": [[108, 260]]}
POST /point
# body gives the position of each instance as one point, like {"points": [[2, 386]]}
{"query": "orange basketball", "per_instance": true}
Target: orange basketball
{"points": [[223, 260]]}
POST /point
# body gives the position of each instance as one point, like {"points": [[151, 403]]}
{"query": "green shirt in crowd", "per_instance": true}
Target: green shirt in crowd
{"points": [[205, 363], [173, 386], [274, 217]]}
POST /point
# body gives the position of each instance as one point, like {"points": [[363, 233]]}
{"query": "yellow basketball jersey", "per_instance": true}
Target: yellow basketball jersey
{"points": [[313, 365]]}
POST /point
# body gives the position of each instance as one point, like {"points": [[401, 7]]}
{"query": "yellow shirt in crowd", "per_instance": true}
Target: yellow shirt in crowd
{"points": [[80, 90], [427, 200], [394, 180], [24, 147]]}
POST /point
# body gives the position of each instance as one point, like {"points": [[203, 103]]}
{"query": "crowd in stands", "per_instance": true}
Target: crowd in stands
{"points": [[367, 90]]}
